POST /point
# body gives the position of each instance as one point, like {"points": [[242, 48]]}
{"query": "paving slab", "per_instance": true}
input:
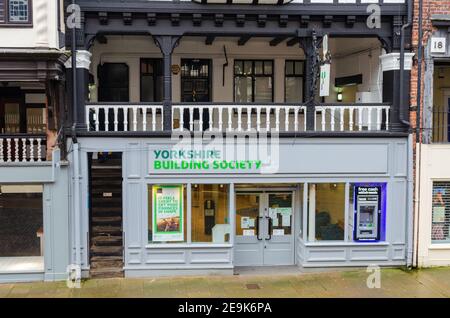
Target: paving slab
{"points": [[394, 282]]}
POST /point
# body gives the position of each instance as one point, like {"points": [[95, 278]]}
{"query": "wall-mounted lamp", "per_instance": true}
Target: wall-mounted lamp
{"points": [[339, 97]]}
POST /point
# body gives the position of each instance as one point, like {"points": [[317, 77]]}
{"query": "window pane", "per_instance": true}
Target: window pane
{"points": [[280, 211], [298, 68], [329, 210], [12, 118], [289, 68], [238, 67], [243, 89], [259, 68], [167, 213], [21, 220], [147, 91], [440, 232], [247, 206], [18, 10], [210, 222], [294, 89], [248, 66], [263, 89], [268, 68], [36, 120]]}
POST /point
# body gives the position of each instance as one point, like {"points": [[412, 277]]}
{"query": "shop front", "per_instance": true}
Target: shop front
{"points": [[325, 202]]}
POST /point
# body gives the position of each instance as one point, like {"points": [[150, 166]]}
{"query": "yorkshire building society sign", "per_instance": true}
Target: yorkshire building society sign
{"points": [[255, 156]]}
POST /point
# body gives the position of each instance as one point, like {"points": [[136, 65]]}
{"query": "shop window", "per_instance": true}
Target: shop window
{"points": [[326, 219], [253, 81], [21, 221], [440, 226], [209, 214], [294, 81], [167, 213]]}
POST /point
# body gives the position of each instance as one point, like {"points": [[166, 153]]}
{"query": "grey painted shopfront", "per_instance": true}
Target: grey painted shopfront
{"points": [[47, 260], [334, 166]]}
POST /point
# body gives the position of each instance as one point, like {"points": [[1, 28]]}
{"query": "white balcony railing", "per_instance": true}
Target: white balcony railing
{"points": [[280, 118], [112, 117], [21, 148], [352, 117], [237, 117]]}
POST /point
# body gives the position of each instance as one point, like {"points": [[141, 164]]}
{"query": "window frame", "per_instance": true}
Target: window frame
{"points": [[436, 243], [302, 76], [253, 77], [188, 228], [20, 24]]}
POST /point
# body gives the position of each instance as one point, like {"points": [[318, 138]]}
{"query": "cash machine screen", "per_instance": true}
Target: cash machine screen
{"points": [[366, 214]]}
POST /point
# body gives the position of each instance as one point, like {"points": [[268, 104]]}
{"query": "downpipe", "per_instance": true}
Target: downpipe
{"points": [[402, 63], [76, 161]]}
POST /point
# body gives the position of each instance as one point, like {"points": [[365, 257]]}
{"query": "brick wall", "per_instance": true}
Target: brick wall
{"points": [[430, 7]]}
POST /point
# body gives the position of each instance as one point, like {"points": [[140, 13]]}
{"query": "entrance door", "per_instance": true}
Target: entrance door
{"points": [[264, 231]]}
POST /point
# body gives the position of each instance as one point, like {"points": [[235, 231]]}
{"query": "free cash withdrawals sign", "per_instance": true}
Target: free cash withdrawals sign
{"points": [[168, 213]]}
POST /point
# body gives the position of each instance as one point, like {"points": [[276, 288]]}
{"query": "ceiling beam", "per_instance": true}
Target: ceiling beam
{"points": [[277, 40], [243, 39], [293, 41], [209, 39]]}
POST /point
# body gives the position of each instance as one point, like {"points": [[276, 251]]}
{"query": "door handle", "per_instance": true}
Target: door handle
{"points": [[257, 228], [270, 228]]}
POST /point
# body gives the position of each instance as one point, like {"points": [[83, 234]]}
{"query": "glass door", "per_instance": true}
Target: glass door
{"points": [[248, 249], [264, 229]]}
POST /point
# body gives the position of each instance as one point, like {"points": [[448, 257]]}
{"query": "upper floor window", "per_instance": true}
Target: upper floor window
{"points": [[253, 81], [15, 12], [19, 11]]}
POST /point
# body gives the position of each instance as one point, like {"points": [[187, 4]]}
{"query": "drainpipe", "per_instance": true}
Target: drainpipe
{"points": [[418, 127], [76, 154], [402, 62]]}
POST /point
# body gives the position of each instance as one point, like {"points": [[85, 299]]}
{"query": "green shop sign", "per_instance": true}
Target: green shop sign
{"points": [[167, 213], [200, 161]]}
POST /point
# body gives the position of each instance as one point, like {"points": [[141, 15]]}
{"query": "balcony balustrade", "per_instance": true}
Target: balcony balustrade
{"points": [[282, 118], [22, 148]]}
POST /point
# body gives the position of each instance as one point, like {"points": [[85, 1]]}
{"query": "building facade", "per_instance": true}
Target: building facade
{"points": [[34, 192], [205, 140], [432, 215]]}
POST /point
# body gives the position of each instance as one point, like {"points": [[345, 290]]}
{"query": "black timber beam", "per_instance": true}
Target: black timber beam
{"points": [[209, 39], [190, 8], [277, 40], [243, 40], [293, 41]]}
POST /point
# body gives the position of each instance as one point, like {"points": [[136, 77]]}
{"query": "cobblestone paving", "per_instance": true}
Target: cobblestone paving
{"points": [[349, 283]]}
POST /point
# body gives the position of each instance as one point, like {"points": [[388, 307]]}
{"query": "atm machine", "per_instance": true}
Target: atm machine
{"points": [[367, 213]]}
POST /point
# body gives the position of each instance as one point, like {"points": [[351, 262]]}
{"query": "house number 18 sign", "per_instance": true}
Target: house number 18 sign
{"points": [[438, 45]]}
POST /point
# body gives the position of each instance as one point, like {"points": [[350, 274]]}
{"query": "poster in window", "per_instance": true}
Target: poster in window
{"points": [[168, 213]]}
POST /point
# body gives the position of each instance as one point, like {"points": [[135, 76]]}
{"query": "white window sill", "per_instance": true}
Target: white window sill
{"points": [[186, 245], [439, 246]]}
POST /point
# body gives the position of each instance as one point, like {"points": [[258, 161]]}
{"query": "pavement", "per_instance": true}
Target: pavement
{"points": [[394, 282]]}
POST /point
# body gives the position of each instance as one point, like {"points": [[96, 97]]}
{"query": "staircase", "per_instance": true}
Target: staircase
{"points": [[106, 242]]}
